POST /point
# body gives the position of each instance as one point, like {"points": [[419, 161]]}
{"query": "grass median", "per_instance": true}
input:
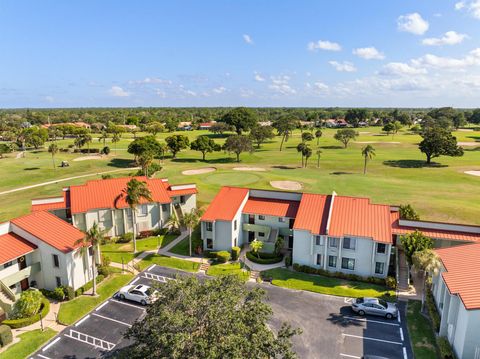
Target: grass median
{"points": [[217, 270], [171, 262], [325, 285], [73, 310], [29, 342], [421, 332]]}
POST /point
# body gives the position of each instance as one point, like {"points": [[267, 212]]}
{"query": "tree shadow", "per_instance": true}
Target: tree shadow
{"points": [[121, 163], [332, 147], [471, 149], [31, 168], [341, 319], [476, 138], [412, 164], [199, 160], [284, 167], [217, 135], [339, 173]]}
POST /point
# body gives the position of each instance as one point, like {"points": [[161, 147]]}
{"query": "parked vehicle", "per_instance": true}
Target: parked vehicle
{"points": [[140, 293], [375, 306]]}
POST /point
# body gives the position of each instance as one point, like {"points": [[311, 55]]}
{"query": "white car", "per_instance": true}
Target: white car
{"points": [[140, 293]]}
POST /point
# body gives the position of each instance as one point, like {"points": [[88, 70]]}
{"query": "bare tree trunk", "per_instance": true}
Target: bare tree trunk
{"points": [[190, 240], [94, 272], [281, 143], [134, 220], [53, 161], [365, 166]]}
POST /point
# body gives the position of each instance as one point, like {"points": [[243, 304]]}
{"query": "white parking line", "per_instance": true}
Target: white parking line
{"points": [[113, 320], [50, 344], [398, 318], [42, 356], [374, 339], [130, 305], [82, 320], [405, 353], [135, 280], [151, 267], [371, 321], [100, 307], [91, 340], [347, 300], [401, 334], [350, 356]]}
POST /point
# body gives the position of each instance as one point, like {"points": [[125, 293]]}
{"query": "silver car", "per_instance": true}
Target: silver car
{"points": [[142, 294], [375, 306]]}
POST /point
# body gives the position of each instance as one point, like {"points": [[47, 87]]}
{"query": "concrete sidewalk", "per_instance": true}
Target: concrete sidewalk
{"points": [[258, 267]]}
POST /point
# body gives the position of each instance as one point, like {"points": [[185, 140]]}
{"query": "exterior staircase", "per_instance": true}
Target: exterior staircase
{"points": [[5, 302], [403, 272], [254, 274]]}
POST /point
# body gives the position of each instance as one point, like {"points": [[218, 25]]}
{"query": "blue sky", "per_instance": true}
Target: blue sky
{"points": [[396, 53]]}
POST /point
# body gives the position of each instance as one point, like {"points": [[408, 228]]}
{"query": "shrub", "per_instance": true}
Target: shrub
{"points": [[104, 270], [211, 254], [88, 285], [69, 292], [58, 294], [223, 256], [265, 258], [445, 348], [106, 150], [6, 336], [235, 253], [391, 283], [23, 322], [28, 304], [432, 311], [125, 238], [288, 261]]}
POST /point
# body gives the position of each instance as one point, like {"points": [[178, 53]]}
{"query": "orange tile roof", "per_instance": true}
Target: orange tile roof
{"points": [[358, 217], [312, 213], [225, 204], [432, 232], [181, 192], [51, 206], [271, 207], [106, 193], [13, 246], [462, 276], [50, 229]]}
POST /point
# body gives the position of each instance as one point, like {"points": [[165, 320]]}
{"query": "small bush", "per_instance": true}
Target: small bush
{"points": [[445, 348], [58, 294], [125, 238], [6, 336], [23, 322], [235, 253], [88, 285], [265, 258], [106, 150], [223, 256], [104, 270], [432, 311], [28, 304], [288, 261], [391, 283], [211, 254], [69, 292]]}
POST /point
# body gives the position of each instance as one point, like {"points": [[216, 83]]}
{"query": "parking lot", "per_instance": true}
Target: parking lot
{"points": [[330, 328]]}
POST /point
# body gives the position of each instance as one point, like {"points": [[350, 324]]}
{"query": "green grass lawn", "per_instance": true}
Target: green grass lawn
{"points": [[421, 332], [118, 251], [73, 310], [182, 247], [171, 262], [325, 285], [396, 175], [228, 269], [29, 342]]}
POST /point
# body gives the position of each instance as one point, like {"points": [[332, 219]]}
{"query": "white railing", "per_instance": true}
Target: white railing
{"points": [[88, 339]]}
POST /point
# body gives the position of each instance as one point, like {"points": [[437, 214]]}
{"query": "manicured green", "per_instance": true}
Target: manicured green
{"points": [[326, 285], [171, 262], [421, 332], [183, 246], [217, 270], [73, 310], [29, 342]]}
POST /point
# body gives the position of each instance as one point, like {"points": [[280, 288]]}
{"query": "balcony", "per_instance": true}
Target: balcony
{"points": [[257, 228], [21, 275]]}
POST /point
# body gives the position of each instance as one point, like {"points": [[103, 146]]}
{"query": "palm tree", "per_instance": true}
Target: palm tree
{"points": [[318, 134], [53, 149], [307, 152], [190, 220], [300, 148], [92, 238], [319, 152], [256, 246], [103, 137], [368, 152], [428, 262], [116, 138], [133, 195], [172, 222]]}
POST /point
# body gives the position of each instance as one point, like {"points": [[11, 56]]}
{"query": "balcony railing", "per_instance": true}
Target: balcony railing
{"points": [[257, 228], [22, 274]]}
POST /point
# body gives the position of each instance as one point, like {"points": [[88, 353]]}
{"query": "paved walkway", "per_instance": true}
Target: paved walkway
{"points": [[258, 267]]}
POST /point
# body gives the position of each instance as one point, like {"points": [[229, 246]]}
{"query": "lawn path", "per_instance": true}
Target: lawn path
{"points": [[66, 179]]}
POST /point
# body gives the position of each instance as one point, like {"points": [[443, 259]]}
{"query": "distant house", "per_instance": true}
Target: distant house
{"points": [[335, 123], [75, 124], [206, 125], [128, 127], [265, 123], [185, 126]]}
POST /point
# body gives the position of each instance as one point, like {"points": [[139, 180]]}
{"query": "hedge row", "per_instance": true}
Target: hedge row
{"points": [[59, 293], [88, 285], [341, 275], [265, 258], [23, 322], [6, 336], [432, 311]]}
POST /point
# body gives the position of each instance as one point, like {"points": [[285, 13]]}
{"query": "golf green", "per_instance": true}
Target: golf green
{"points": [[232, 178]]}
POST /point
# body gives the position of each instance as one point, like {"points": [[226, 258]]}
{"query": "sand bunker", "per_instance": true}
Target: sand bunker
{"points": [[473, 173], [364, 132], [469, 144], [375, 142], [86, 158], [258, 169], [465, 129], [288, 185], [199, 171]]}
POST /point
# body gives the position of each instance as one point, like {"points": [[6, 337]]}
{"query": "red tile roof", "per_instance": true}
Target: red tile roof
{"points": [[271, 207], [50, 229], [358, 217], [181, 192], [106, 193], [225, 204], [462, 276], [51, 206], [312, 213], [13, 246], [433, 232]]}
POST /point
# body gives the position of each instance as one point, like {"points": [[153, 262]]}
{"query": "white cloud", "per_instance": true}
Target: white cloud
{"points": [[280, 84], [191, 93], [343, 66], [413, 23], [219, 90], [449, 38], [247, 39], [117, 91], [259, 77], [246, 93], [369, 53], [472, 7], [320, 86], [160, 93], [439, 62], [323, 45], [150, 80], [49, 99], [401, 69]]}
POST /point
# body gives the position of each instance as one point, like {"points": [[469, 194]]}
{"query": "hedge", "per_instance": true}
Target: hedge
{"points": [[5, 335], [432, 311], [223, 256], [23, 322], [265, 258], [445, 348], [88, 285], [235, 253]]}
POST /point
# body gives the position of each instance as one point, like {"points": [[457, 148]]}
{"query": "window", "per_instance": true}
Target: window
{"points": [[381, 247], [333, 242], [209, 226], [59, 281], [235, 225], [318, 240], [164, 207], [8, 264], [90, 251], [182, 199], [379, 267], [349, 243], [281, 219], [261, 217], [55, 261], [319, 260], [348, 263], [332, 261], [143, 210], [209, 243], [261, 234]]}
